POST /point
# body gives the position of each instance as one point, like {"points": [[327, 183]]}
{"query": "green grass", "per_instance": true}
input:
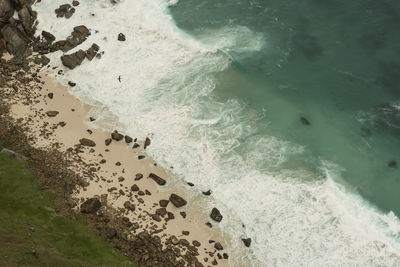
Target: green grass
{"points": [[33, 234]]}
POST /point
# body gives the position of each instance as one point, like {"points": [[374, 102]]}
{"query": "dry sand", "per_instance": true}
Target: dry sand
{"points": [[113, 179]]}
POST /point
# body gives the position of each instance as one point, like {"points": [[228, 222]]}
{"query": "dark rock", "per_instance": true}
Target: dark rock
{"points": [[6, 11], [48, 36], [65, 10], [141, 157], [78, 36], [52, 113], [128, 139], [129, 206], [216, 215], [156, 217], [141, 193], [92, 119], [196, 243], [50, 95], [177, 200], [108, 141], [207, 193], [118, 163], [138, 176], [16, 42], [392, 164], [27, 17], [117, 136], [161, 211], [126, 222], [147, 192], [163, 203], [246, 241], [171, 216], [183, 214], [304, 121], [225, 256], [121, 37], [209, 224], [92, 51], [92, 205], [190, 184], [218, 246], [73, 60], [110, 232], [147, 142], [72, 84], [75, 3], [157, 179], [135, 187], [214, 262], [135, 145], [121, 179], [87, 142], [185, 232]]}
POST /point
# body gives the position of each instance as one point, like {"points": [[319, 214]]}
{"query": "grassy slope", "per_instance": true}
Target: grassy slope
{"points": [[31, 233]]}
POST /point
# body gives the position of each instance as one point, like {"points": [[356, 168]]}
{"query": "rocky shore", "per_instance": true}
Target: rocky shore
{"points": [[104, 177]]}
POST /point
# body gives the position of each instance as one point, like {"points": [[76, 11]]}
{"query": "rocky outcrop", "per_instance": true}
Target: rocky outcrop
{"points": [[177, 200], [73, 60], [78, 36], [92, 205], [6, 11], [16, 41]]}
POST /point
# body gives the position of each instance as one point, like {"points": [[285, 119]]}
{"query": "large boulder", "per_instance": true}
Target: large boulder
{"points": [[78, 36], [73, 60], [27, 17], [6, 11], [65, 10], [16, 43], [92, 205]]}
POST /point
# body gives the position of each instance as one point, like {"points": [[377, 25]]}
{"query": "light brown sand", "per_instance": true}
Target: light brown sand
{"points": [[75, 115]]}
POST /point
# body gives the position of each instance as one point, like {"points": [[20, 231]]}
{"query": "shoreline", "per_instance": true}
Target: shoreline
{"points": [[111, 181]]}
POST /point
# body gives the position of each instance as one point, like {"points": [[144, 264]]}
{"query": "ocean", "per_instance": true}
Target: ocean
{"points": [[288, 111]]}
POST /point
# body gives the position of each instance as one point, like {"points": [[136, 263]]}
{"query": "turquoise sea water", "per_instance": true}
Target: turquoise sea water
{"points": [[221, 87], [336, 62]]}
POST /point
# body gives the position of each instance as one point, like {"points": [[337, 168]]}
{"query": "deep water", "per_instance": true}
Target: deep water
{"points": [[336, 63]]}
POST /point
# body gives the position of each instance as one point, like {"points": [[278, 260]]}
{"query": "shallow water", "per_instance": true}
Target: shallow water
{"points": [[221, 86]]}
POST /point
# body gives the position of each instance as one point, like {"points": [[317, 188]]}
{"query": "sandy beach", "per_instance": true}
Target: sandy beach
{"points": [[117, 174]]}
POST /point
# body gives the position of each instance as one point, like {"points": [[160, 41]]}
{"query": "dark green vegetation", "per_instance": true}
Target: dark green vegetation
{"points": [[32, 233]]}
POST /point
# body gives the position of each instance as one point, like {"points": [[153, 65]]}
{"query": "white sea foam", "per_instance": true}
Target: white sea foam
{"points": [[296, 216]]}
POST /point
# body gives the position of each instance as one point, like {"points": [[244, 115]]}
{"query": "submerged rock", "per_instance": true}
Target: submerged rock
{"points": [[177, 200], [216, 215], [92, 205], [108, 141], [304, 121], [392, 164]]}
